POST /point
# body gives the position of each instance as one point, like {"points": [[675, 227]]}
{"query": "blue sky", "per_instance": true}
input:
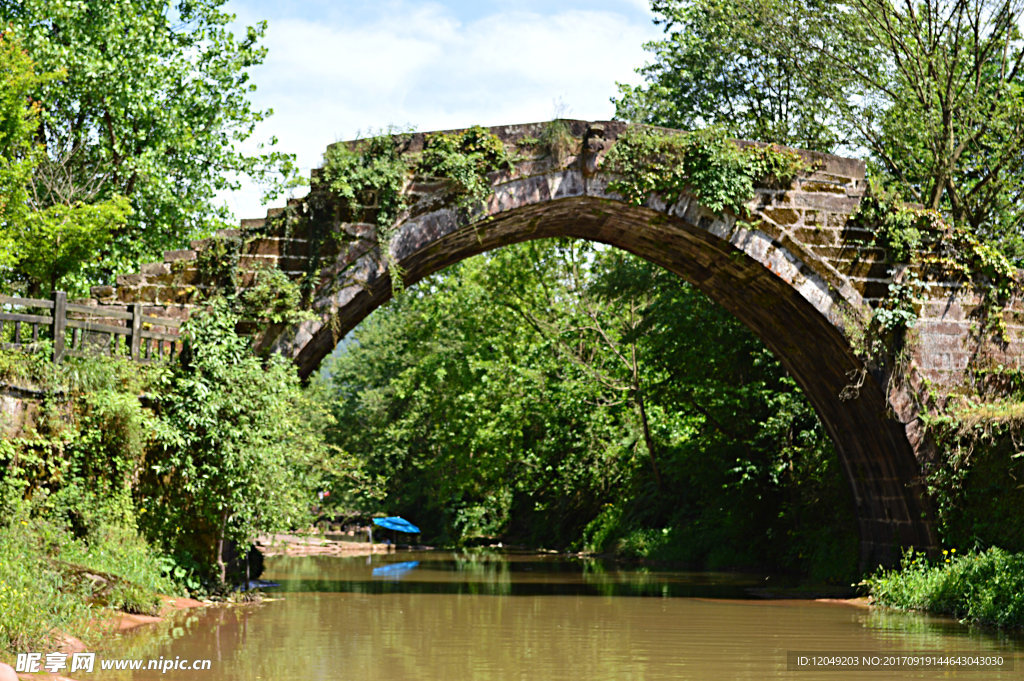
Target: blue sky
{"points": [[336, 70]]}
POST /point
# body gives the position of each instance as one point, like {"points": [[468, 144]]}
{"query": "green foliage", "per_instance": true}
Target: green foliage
{"points": [[465, 159], [79, 457], [750, 67], [930, 92], [985, 587], [974, 478], [897, 227], [892, 317], [33, 596], [556, 140], [218, 263], [707, 163], [52, 581], [937, 100], [370, 173], [272, 298], [562, 394], [30, 369], [232, 440], [370, 176], [40, 247], [150, 101], [59, 243], [233, 445], [932, 246], [18, 123]]}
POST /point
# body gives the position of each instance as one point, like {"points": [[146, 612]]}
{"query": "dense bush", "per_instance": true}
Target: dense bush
{"points": [[211, 447], [985, 587], [234, 442]]}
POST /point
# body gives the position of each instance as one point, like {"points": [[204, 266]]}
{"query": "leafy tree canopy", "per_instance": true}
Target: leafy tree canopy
{"points": [[40, 246], [146, 100], [17, 125], [932, 92], [938, 100], [236, 442], [741, 65]]}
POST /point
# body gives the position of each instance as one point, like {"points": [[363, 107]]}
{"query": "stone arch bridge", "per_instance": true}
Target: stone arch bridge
{"points": [[796, 272]]}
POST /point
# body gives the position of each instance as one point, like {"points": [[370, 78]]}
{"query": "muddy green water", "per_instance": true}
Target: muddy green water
{"points": [[483, 616]]}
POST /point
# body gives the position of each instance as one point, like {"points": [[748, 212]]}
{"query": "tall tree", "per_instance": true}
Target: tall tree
{"points": [[938, 99], [42, 246], [17, 153], [742, 65], [147, 100], [931, 92], [234, 444]]}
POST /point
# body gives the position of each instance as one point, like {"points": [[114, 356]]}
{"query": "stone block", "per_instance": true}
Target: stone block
{"points": [[155, 268], [816, 236], [814, 218], [300, 248], [264, 246], [815, 186], [840, 219], [102, 292], [782, 216], [182, 254], [871, 288], [251, 261], [290, 264], [825, 202], [871, 269], [941, 328], [127, 294]]}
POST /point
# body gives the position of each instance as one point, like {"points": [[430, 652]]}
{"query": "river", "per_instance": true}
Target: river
{"points": [[436, 616]]}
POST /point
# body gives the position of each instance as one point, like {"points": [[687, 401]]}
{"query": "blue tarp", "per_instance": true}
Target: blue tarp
{"points": [[395, 570], [397, 523]]}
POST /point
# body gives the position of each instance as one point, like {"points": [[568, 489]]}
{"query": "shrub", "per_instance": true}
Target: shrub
{"points": [[985, 587]]}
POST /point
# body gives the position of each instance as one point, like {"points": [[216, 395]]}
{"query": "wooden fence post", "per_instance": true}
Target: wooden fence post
{"points": [[60, 318], [135, 339]]}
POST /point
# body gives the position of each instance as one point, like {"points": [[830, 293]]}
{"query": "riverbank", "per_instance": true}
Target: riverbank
{"points": [[986, 587], [115, 622], [315, 545]]}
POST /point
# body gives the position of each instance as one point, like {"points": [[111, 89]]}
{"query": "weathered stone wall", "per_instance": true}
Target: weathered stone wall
{"points": [[796, 271], [19, 408]]}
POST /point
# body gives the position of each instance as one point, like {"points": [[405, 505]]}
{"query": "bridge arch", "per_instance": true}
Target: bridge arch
{"points": [[794, 271], [790, 296]]}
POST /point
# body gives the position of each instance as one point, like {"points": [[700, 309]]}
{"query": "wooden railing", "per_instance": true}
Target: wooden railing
{"points": [[77, 330]]}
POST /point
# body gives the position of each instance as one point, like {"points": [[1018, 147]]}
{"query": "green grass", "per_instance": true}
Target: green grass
{"points": [[52, 582], [985, 587], [34, 599]]}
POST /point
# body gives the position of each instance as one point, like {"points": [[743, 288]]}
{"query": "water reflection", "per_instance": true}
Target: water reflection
{"points": [[486, 616], [393, 571], [496, 574]]}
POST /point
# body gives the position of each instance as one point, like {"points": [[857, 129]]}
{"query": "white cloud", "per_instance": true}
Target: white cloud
{"points": [[432, 70]]}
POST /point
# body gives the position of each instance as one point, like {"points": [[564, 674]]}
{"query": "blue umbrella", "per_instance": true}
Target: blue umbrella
{"points": [[397, 523]]}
